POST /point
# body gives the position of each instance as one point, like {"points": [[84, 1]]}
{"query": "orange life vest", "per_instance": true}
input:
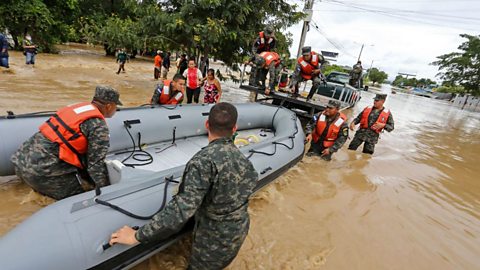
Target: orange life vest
{"points": [[165, 94], [333, 129], [382, 118], [64, 129], [264, 44], [307, 67], [270, 57]]}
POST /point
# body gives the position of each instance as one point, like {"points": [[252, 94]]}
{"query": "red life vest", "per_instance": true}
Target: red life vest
{"points": [[264, 44], [270, 57], [165, 94], [192, 78], [307, 67], [64, 129], [333, 129], [382, 118]]}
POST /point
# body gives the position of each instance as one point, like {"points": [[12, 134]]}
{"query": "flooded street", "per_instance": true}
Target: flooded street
{"points": [[414, 204]]}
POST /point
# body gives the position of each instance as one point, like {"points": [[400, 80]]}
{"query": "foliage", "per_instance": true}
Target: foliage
{"points": [[329, 68], [451, 89], [47, 21], [375, 75], [118, 33], [462, 68], [423, 82], [224, 29]]}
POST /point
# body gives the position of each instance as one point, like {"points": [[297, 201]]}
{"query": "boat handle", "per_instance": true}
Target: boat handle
{"points": [[107, 244]]}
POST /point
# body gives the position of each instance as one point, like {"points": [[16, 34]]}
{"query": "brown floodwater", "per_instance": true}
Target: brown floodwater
{"points": [[414, 204]]}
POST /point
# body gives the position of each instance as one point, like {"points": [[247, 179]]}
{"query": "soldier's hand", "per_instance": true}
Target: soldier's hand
{"points": [[126, 235], [326, 152], [352, 126], [378, 126], [308, 138]]}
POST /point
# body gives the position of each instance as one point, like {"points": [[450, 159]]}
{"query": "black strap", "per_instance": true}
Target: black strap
{"points": [[75, 135], [64, 140]]}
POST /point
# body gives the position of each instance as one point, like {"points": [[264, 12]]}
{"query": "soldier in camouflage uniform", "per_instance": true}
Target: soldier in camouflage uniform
{"points": [[216, 187], [372, 121], [42, 164], [265, 42], [329, 131], [267, 63]]}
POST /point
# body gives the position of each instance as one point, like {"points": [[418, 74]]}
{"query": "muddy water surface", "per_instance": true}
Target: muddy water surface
{"points": [[414, 204]]}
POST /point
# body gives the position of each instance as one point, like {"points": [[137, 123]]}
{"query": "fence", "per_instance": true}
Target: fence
{"points": [[467, 102]]}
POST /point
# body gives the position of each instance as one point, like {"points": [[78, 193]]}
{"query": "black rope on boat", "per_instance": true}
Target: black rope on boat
{"points": [[130, 214], [143, 157], [292, 137]]}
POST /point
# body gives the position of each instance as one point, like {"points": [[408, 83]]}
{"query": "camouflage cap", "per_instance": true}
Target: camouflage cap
{"points": [[268, 30], [107, 94], [380, 97], [306, 50], [259, 61], [333, 103]]}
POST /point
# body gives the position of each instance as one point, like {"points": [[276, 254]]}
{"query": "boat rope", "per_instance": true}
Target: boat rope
{"points": [[12, 115], [143, 157], [292, 137], [128, 213]]}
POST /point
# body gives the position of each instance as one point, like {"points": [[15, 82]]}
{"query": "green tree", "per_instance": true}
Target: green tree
{"points": [[375, 75], [462, 68], [225, 29], [48, 21]]}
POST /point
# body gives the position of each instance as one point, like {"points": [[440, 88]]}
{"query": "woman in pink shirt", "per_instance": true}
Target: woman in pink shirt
{"points": [[212, 88], [194, 81]]}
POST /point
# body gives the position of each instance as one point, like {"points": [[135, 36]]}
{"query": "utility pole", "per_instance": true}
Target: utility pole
{"points": [[360, 54], [368, 72], [306, 22]]}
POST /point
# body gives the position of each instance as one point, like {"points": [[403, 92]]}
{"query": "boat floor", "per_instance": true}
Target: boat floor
{"points": [[166, 155]]}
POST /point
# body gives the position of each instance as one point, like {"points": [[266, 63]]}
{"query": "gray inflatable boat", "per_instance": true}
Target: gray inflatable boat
{"points": [[149, 149]]}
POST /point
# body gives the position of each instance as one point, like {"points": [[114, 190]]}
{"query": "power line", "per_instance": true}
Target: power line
{"points": [[389, 14], [331, 41], [407, 11]]}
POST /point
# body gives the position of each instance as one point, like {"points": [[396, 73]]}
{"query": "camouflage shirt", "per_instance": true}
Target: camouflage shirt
{"points": [[368, 134], [216, 186], [39, 156], [342, 135]]}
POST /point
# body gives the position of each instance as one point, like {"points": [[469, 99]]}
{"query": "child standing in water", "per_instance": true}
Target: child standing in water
{"points": [[213, 90]]}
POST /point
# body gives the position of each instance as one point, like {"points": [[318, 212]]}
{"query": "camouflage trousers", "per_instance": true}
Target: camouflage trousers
{"points": [[316, 81], [216, 243], [56, 187], [358, 139]]}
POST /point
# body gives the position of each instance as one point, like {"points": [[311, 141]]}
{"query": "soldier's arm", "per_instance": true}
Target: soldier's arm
{"points": [[96, 131], [358, 118], [341, 139], [156, 93], [311, 124], [390, 125], [296, 74], [273, 45], [255, 46], [195, 185]]}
